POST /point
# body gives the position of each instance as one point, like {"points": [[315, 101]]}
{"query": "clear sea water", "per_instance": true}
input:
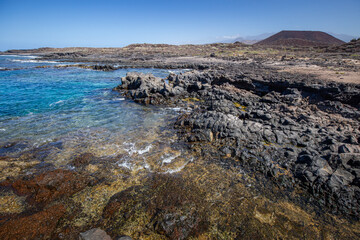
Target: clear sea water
{"points": [[44, 105]]}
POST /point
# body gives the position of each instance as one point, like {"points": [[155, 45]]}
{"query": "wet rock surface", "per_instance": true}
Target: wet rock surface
{"points": [[168, 205], [47, 187], [40, 225], [41, 203], [296, 131]]}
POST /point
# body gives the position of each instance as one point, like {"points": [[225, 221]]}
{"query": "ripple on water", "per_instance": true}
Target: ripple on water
{"points": [[41, 106]]}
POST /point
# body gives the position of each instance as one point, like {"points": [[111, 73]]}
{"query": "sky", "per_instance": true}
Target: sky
{"points": [[110, 23]]}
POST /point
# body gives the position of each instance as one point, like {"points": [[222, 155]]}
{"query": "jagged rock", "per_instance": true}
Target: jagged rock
{"points": [[103, 67], [276, 119], [339, 179]]}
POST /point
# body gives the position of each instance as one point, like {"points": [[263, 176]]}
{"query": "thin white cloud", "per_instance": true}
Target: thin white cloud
{"points": [[228, 37]]}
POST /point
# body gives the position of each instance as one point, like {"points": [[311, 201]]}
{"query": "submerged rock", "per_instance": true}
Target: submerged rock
{"points": [[166, 204], [49, 186], [40, 225], [83, 160]]}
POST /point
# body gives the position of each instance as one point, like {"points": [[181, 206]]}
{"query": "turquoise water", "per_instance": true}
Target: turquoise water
{"points": [[41, 105]]}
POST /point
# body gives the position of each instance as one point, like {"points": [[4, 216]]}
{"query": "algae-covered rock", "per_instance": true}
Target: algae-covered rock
{"points": [[49, 186], [39, 225], [165, 205]]}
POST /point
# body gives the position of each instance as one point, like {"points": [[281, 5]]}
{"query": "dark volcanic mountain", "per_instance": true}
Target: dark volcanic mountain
{"points": [[300, 38]]}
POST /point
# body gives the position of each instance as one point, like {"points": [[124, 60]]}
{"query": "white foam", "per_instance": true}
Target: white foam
{"points": [[176, 169], [119, 99], [179, 168], [2, 129], [56, 103], [130, 148], [145, 150], [146, 166], [13, 55], [170, 158], [31, 61], [125, 165]]}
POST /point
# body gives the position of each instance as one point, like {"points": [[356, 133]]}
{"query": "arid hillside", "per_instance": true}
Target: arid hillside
{"points": [[300, 38]]}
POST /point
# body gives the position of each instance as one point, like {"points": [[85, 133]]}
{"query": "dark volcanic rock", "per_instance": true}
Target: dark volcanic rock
{"points": [[103, 67], [288, 129], [144, 88]]}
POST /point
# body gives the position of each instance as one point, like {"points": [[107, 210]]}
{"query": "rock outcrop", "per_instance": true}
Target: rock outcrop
{"points": [[294, 131]]}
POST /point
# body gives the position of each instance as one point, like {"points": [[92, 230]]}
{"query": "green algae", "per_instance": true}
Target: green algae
{"points": [[241, 107], [11, 203], [192, 99]]}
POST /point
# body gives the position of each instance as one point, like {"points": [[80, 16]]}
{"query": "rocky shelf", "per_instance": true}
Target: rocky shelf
{"points": [[300, 133]]}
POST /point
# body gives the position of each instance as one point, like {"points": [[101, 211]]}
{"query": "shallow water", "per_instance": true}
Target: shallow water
{"points": [[70, 111], [41, 105]]}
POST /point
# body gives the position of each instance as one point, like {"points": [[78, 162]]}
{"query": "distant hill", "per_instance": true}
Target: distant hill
{"points": [[343, 37], [246, 39], [300, 38], [252, 39]]}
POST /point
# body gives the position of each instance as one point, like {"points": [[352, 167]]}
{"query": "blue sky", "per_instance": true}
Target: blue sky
{"points": [[63, 23]]}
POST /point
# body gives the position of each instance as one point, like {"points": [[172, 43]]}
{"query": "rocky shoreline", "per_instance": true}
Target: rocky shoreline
{"points": [[271, 154], [296, 131]]}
